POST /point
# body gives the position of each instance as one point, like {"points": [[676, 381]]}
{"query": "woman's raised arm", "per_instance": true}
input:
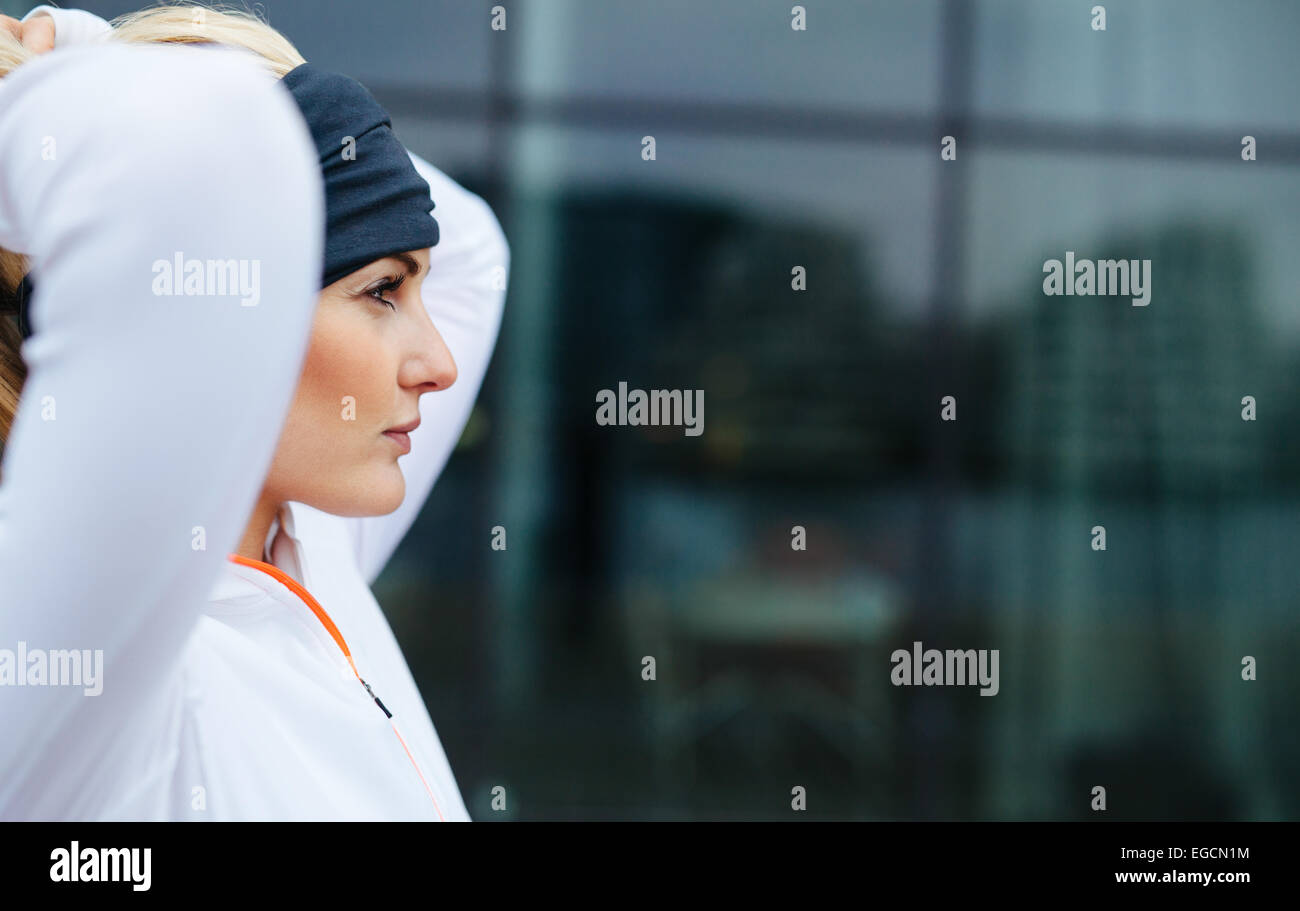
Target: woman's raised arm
{"points": [[151, 408]]}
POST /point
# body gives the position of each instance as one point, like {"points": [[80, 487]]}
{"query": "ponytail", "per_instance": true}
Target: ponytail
{"points": [[13, 372]]}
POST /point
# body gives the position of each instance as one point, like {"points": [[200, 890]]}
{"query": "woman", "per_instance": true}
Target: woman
{"points": [[202, 490]]}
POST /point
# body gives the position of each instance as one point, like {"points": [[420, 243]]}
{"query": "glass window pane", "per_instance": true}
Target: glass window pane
{"points": [[873, 55], [880, 196], [1158, 63], [1030, 207]]}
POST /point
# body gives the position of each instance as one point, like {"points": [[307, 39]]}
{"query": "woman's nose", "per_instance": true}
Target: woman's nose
{"points": [[436, 366]]}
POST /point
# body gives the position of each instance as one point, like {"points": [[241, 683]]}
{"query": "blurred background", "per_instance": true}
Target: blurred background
{"points": [[778, 148]]}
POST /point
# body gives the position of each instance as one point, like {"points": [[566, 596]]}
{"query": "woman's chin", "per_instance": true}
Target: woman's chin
{"points": [[376, 493], [387, 492]]}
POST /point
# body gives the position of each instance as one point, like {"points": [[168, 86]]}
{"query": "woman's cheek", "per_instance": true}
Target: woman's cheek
{"points": [[335, 376]]}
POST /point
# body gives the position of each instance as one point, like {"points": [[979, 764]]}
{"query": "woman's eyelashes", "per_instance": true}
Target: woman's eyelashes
{"points": [[391, 284]]}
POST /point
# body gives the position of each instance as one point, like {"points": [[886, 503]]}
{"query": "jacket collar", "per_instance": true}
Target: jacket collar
{"points": [[237, 582]]}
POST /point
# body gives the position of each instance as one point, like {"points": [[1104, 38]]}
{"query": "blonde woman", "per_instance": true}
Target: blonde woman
{"points": [[200, 483]]}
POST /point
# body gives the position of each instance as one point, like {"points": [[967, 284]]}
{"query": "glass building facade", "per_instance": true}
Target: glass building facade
{"points": [[821, 148]]}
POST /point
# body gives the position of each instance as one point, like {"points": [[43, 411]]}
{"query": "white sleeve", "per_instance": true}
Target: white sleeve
{"points": [[147, 423], [72, 26], [464, 293]]}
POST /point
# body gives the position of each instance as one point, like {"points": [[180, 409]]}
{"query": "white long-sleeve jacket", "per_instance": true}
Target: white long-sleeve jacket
{"points": [[231, 689]]}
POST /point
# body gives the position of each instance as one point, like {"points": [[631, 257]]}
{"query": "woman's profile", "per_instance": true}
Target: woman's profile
{"points": [[197, 492]]}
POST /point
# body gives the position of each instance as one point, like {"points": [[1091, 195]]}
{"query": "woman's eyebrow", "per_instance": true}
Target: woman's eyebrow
{"points": [[412, 265]]}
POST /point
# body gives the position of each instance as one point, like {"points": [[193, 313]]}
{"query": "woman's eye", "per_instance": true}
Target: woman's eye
{"points": [[378, 292]]}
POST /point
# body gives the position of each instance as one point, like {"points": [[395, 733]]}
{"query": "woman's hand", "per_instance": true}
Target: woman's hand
{"points": [[36, 34]]}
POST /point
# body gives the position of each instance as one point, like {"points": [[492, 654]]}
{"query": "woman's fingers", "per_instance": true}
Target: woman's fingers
{"points": [[36, 34]]}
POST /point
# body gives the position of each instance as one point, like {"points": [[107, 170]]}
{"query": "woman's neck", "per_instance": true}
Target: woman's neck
{"points": [[253, 543]]}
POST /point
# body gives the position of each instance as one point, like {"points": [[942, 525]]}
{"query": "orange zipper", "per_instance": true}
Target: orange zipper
{"points": [[292, 584]]}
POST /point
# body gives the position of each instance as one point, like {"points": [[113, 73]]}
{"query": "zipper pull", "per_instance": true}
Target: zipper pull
{"points": [[376, 698]]}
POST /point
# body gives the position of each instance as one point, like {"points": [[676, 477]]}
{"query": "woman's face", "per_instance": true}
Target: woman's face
{"points": [[373, 352]]}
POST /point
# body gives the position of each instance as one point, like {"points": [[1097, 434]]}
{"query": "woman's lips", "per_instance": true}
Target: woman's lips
{"points": [[401, 439]]}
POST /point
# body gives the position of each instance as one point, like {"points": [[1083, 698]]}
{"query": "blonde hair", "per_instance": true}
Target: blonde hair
{"points": [[173, 23], [194, 23]]}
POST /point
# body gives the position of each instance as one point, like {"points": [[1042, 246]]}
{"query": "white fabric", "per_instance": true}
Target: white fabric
{"points": [[224, 697]]}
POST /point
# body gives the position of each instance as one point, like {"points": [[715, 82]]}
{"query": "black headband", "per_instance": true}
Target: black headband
{"points": [[376, 203]]}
